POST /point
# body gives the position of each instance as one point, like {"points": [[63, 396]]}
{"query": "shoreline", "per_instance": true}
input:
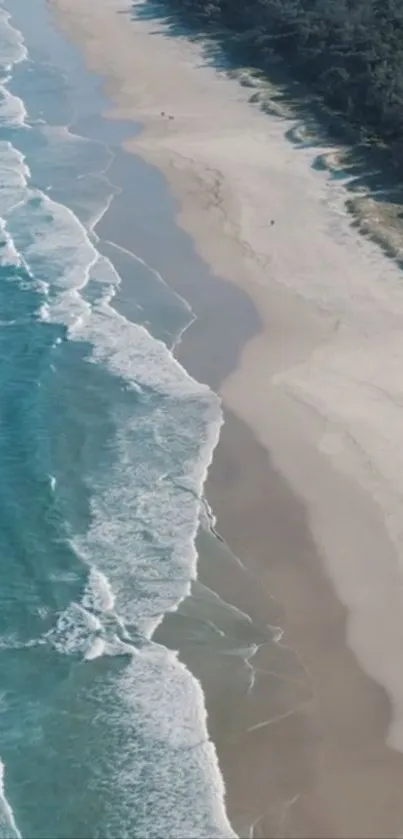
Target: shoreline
{"points": [[268, 358]]}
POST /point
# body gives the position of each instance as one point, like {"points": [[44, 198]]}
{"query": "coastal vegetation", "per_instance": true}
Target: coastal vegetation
{"points": [[350, 52]]}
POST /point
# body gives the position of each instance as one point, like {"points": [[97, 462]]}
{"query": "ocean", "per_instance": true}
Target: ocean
{"points": [[105, 441]]}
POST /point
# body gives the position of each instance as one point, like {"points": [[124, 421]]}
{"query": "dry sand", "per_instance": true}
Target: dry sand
{"points": [[321, 388]]}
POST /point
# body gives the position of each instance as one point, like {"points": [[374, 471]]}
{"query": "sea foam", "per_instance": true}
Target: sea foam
{"points": [[12, 45], [139, 549], [8, 827]]}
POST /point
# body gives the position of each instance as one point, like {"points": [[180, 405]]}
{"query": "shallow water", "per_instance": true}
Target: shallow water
{"points": [[104, 445]]}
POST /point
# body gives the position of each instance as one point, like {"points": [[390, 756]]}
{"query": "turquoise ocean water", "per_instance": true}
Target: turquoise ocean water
{"points": [[104, 445]]}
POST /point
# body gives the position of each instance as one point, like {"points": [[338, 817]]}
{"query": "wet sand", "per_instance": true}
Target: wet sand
{"points": [[316, 764], [303, 753], [306, 481]]}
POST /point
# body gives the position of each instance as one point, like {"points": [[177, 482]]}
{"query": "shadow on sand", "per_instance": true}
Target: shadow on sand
{"points": [[362, 163]]}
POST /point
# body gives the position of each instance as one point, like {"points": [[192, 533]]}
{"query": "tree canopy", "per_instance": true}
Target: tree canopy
{"points": [[348, 51]]}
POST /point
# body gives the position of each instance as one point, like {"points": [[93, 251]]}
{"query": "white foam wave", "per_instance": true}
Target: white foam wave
{"points": [[13, 642], [12, 44], [14, 176], [98, 595], [183, 429], [180, 432], [145, 512], [8, 827], [181, 722], [74, 631], [8, 252], [96, 650], [55, 249], [12, 108], [153, 679], [82, 630], [54, 243], [156, 489], [129, 350]]}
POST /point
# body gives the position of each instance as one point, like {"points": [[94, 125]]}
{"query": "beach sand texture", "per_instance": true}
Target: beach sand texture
{"points": [[321, 389]]}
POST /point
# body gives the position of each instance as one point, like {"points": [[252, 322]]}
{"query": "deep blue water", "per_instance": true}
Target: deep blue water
{"points": [[104, 445]]}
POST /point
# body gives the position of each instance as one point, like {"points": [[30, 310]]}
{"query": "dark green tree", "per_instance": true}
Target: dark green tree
{"points": [[348, 51]]}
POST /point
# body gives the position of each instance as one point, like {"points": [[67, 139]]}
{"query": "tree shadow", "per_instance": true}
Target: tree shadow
{"points": [[359, 160]]}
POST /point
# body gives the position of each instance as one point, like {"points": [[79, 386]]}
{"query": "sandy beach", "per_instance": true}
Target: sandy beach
{"points": [[307, 481]]}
